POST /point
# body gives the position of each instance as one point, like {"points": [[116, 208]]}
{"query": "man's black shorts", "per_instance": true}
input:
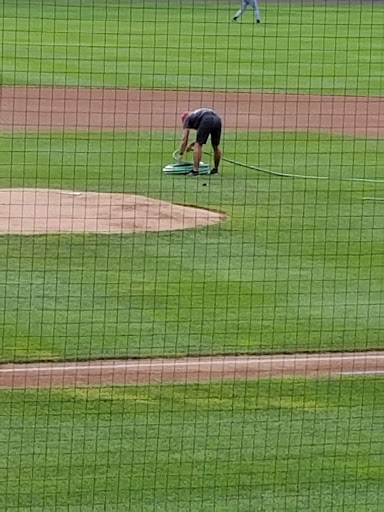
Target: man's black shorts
{"points": [[210, 126]]}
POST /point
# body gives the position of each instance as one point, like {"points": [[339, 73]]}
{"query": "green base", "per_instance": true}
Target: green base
{"points": [[183, 168]]}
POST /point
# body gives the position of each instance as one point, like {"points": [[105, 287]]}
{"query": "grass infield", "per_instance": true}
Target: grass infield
{"points": [[297, 265]]}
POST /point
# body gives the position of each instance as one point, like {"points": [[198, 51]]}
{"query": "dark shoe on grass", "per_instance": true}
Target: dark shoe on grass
{"points": [[192, 173]]}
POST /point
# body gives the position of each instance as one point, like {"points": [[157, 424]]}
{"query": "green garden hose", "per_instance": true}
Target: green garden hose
{"points": [[298, 176], [183, 167]]}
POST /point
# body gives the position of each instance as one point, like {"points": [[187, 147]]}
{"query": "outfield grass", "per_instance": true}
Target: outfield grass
{"points": [[321, 47], [269, 445], [297, 266]]}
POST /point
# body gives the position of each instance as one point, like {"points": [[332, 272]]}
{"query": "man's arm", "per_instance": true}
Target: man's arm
{"points": [[184, 142]]}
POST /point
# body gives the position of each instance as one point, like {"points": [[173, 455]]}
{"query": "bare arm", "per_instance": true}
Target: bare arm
{"points": [[184, 142]]}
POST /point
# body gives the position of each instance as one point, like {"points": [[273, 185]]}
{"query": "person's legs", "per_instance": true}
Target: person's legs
{"points": [[240, 12], [197, 154]]}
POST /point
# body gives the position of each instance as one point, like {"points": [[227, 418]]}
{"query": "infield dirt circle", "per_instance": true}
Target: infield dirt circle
{"points": [[32, 211]]}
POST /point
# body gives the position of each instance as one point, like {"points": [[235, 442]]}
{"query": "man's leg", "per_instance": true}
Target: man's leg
{"points": [[216, 157], [240, 12], [257, 10], [215, 140], [201, 139], [197, 154]]}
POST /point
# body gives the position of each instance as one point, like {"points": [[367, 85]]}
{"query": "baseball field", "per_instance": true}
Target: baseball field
{"points": [[148, 297]]}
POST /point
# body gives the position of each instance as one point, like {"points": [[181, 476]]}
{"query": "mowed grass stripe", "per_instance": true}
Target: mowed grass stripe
{"points": [[320, 48], [289, 445]]}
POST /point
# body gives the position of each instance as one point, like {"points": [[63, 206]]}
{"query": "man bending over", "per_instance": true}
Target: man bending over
{"points": [[207, 123]]}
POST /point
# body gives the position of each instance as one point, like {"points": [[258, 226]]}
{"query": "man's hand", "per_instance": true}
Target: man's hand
{"points": [[180, 157], [191, 146]]}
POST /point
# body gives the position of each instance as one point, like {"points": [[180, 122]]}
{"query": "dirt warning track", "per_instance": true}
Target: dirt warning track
{"points": [[192, 369], [66, 108]]}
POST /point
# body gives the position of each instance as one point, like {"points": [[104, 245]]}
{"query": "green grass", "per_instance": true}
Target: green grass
{"points": [[329, 48], [269, 445], [297, 265]]}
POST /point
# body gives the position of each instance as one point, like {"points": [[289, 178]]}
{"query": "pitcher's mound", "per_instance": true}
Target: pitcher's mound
{"points": [[35, 211]]}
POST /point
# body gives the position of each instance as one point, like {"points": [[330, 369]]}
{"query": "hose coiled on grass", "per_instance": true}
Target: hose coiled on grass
{"points": [[184, 167]]}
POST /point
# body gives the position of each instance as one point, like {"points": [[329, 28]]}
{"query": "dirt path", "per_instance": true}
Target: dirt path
{"points": [[197, 369], [47, 108]]}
